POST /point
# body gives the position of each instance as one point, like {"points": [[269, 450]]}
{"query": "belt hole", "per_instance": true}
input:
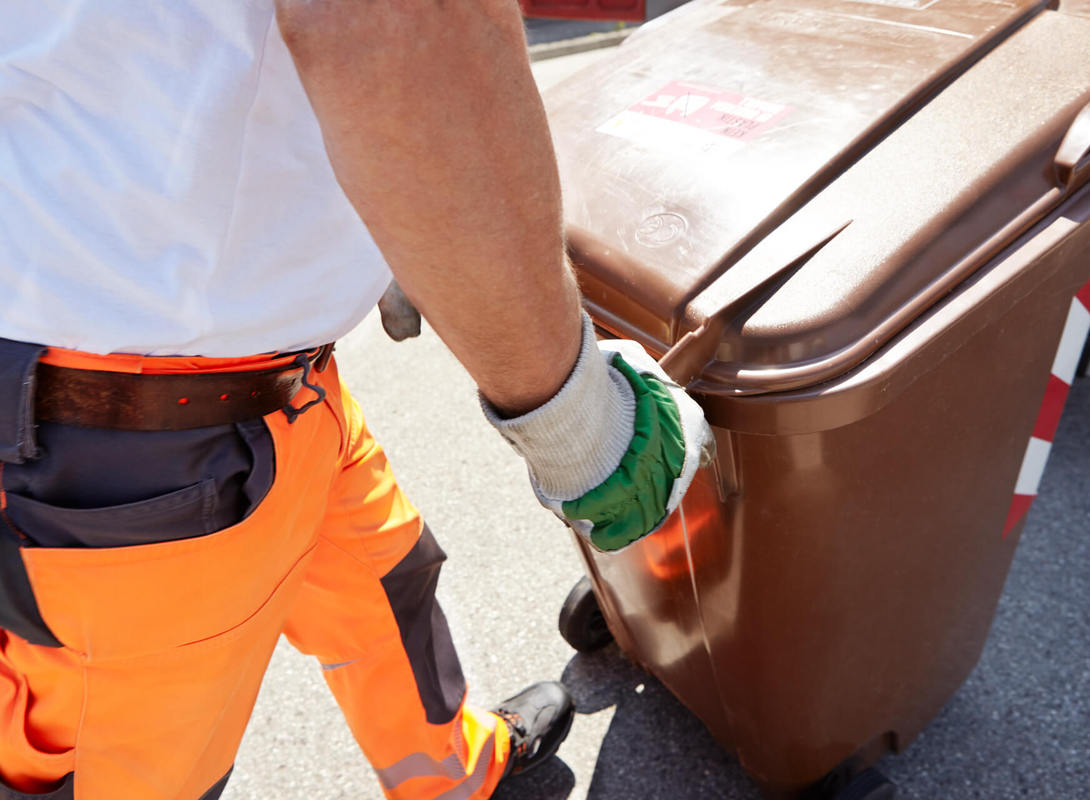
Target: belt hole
{"points": [[254, 393], [183, 401]]}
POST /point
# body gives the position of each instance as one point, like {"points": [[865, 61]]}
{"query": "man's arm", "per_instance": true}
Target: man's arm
{"points": [[438, 137]]}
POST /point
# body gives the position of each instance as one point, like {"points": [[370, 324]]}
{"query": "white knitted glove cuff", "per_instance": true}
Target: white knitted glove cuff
{"points": [[576, 440]]}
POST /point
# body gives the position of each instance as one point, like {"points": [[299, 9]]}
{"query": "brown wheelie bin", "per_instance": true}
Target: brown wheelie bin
{"points": [[856, 231]]}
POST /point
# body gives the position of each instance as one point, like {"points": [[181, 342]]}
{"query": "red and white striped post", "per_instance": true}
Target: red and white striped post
{"points": [[1059, 384]]}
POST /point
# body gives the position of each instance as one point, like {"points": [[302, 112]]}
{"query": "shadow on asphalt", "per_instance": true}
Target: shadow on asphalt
{"points": [[553, 780], [655, 749]]}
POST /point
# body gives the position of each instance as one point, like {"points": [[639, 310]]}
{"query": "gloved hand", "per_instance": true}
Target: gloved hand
{"points": [[614, 451], [400, 319]]}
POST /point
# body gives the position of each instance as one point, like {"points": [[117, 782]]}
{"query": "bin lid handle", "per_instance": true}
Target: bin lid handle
{"points": [[1072, 162], [696, 349]]}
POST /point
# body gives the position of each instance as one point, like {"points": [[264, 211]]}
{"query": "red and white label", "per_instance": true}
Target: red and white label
{"points": [[681, 113], [1059, 384]]}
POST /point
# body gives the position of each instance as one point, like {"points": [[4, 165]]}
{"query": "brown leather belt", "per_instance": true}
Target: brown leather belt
{"points": [[180, 401]]}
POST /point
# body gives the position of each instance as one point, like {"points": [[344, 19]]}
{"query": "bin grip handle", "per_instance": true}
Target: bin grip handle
{"points": [[1072, 162], [696, 349]]}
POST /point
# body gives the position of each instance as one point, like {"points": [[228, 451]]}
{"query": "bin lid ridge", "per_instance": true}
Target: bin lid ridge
{"points": [[710, 152]]}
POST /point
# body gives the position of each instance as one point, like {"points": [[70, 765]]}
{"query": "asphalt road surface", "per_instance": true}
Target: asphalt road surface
{"points": [[539, 31], [1019, 728]]}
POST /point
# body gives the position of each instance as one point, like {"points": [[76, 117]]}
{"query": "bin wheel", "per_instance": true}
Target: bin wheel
{"points": [[581, 622], [870, 784]]}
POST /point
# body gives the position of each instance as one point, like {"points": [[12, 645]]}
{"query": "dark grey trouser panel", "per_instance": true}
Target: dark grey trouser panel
{"points": [[18, 609], [215, 792], [18, 365], [63, 792], [410, 588]]}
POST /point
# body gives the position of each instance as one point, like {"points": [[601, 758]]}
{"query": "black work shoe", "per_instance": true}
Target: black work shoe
{"points": [[539, 719]]}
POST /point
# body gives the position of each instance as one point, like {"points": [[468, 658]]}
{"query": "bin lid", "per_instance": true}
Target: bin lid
{"points": [[848, 158]]}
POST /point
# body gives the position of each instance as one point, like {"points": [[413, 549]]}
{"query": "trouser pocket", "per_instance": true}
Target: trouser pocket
{"points": [[103, 488], [95, 488]]}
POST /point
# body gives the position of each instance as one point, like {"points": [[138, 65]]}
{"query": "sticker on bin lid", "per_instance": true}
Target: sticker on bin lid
{"points": [[685, 114]]}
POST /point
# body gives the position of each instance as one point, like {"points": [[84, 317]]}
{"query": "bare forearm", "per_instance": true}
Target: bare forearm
{"points": [[437, 135]]}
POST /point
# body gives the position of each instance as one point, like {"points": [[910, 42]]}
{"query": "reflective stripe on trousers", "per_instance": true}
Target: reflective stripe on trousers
{"points": [[421, 765]]}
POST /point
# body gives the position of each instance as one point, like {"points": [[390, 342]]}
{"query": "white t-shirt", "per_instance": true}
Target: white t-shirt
{"points": [[163, 184]]}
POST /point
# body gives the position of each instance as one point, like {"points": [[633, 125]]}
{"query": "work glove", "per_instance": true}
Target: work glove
{"points": [[399, 316], [614, 451]]}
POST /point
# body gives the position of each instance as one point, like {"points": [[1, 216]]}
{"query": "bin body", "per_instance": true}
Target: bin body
{"points": [[620, 10], [882, 409]]}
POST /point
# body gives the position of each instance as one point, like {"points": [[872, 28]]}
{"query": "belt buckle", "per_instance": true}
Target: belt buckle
{"points": [[316, 364]]}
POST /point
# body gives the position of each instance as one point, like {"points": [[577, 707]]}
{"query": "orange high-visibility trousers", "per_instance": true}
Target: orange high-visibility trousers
{"points": [[163, 645]]}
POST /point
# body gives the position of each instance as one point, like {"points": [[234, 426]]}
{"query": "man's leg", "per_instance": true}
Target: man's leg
{"points": [[131, 657], [368, 611]]}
